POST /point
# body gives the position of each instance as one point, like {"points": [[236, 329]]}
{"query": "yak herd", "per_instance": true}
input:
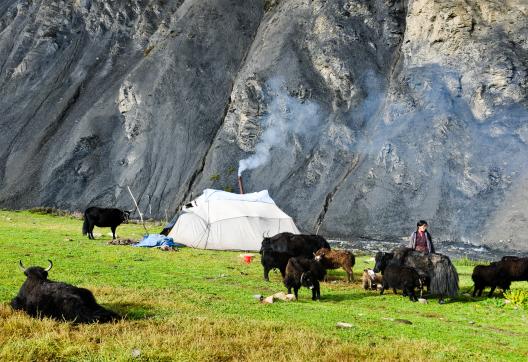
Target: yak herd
{"points": [[302, 261]]}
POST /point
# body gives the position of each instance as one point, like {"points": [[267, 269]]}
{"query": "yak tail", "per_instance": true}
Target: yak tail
{"points": [[85, 226], [445, 278]]}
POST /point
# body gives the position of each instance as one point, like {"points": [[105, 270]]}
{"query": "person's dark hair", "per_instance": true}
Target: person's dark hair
{"points": [[421, 223]]}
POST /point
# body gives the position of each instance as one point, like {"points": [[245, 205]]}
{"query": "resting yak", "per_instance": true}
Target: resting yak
{"points": [[97, 216], [277, 250], [436, 269], [40, 297]]}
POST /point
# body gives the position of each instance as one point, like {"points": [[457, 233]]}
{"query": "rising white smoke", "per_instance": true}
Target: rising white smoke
{"points": [[286, 116]]}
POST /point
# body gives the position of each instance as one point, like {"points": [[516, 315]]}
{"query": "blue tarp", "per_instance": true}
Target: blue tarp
{"points": [[156, 240]]}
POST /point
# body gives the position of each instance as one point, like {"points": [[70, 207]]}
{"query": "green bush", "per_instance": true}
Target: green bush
{"points": [[517, 297]]}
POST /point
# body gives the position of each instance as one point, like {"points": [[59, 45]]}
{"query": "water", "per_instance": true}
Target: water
{"points": [[453, 249]]}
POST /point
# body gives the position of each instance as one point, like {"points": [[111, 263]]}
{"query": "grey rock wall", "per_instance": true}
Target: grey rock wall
{"points": [[360, 117]]}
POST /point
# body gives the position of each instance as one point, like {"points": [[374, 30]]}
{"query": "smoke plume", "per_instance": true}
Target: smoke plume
{"points": [[286, 116]]}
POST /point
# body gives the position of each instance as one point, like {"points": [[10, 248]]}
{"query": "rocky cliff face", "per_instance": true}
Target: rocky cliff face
{"points": [[360, 117]]}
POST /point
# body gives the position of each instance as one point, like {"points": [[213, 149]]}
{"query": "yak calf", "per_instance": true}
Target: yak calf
{"points": [[333, 259], [304, 272], [371, 280]]}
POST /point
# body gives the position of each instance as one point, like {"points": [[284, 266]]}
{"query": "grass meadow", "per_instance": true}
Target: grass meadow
{"points": [[198, 305]]}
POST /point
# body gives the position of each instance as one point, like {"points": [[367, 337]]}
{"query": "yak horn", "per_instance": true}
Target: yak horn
{"points": [[49, 267], [21, 266]]}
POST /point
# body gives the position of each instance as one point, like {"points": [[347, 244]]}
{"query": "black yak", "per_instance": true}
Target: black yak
{"points": [[304, 272], [397, 276], [333, 259], [277, 250], [97, 216], [515, 268], [489, 276], [436, 269], [40, 297]]}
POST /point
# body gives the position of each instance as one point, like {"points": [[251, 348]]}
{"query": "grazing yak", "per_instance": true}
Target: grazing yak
{"points": [[278, 249], [499, 274], [333, 259], [98, 216], [301, 271], [489, 276], [439, 273], [40, 297], [397, 276]]}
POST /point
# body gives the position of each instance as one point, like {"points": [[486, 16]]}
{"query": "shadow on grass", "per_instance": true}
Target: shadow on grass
{"points": [[348, 296], [132, 311]]}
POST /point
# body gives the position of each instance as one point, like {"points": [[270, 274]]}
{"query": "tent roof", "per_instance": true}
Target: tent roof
{"points": [[214, 205], [211, 195]]}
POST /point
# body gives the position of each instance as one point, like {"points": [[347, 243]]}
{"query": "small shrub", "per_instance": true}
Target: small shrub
{"points": [[49, 211], [495, 302], [517, 297], [215, 177]]}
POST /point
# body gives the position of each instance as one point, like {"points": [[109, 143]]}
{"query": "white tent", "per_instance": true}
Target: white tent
{"points": [[225, 221]]}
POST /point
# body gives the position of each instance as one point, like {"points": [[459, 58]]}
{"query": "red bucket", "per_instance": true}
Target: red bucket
{"points": [[247, 259]]}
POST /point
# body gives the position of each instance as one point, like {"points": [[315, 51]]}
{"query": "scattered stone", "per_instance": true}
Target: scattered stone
{"points": [[283, 296], [136, 353], [268, 300], [343, 325], [422, 300], [471, 322]]}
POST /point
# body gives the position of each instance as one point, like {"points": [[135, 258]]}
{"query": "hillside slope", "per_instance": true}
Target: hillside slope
{"points": [[360, 117]]}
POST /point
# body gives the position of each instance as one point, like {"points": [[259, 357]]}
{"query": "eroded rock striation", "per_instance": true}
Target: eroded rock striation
{"points": [[360, 117]]}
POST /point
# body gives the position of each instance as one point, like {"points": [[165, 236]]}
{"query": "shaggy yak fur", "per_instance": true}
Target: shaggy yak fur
{"points": [[396, 276], [304, 272], [515, 268], [333, 259], [40, 297], [371, 280], [277, 250], [97, 216], [489, 276], [439, 273]]}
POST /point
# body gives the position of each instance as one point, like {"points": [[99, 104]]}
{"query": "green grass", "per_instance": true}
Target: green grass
{"points": [[198, 305]]}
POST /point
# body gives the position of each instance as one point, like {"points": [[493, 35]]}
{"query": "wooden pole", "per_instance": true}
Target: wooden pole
{"points": [[137, 208]]}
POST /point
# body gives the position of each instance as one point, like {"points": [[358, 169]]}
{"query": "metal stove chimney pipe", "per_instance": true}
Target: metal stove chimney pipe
{"points": [[240, 185]]}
